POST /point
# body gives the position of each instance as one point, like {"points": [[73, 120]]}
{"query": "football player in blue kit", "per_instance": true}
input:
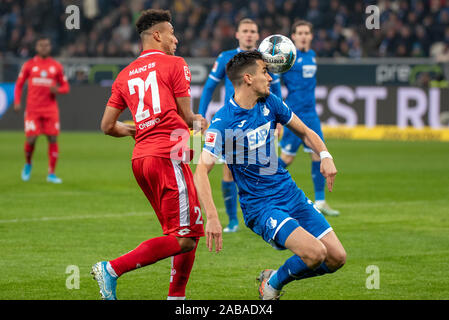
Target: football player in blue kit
{"points": [[300, 81], [273, 206], [247, 35]]}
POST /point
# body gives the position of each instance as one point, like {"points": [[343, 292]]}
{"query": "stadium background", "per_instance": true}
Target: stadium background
{"points": [[388, 84]]}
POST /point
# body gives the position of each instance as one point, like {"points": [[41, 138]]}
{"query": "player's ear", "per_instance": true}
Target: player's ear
{"points": [[247, 78]]}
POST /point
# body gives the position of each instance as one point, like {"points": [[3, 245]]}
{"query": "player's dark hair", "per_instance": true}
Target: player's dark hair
{"points": [[240, 63], [152, 17], [300, 23], [42, 37]]}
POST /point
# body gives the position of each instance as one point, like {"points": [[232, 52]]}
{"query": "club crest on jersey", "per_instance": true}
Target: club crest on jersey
{"points": [[211, 139], [258, 137], [266, 111]]}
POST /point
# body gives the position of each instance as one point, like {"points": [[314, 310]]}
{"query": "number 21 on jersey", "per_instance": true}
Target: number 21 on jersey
{"points": [[142, 88]]}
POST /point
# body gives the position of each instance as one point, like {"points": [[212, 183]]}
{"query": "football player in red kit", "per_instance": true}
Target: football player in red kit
{"points": [[46, 80], [156, 89]]}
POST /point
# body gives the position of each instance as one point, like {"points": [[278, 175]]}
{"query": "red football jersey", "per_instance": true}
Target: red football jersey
{"points": [[149, 87], [41, 75]]}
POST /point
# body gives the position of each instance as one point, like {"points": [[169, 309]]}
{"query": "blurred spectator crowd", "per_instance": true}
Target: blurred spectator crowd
{"points": [[204, 28]]}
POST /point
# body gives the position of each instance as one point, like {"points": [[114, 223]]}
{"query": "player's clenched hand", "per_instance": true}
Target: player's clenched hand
{"points": [[17, 107], [214, 235], [199, 123], [329, 171]]}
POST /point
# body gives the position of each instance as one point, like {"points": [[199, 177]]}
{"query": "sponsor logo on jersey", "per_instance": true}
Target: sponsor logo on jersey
{"points": [[187, 73], [211, 139], [258, 137], [149, 124], [308, 71]]}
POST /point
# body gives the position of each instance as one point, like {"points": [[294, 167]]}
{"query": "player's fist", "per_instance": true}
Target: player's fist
{"points": [[17, 107], [199, 123], [54, 89]]}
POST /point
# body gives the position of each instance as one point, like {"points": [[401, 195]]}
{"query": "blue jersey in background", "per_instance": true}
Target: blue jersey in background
{"points": [[300, 81], [218, 73]]}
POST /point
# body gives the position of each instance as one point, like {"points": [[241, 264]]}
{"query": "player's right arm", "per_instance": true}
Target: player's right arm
{"points": [[202, 184], [21, 79]]}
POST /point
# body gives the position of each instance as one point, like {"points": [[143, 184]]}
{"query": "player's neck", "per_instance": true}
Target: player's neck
{"points": [[245, 99]]}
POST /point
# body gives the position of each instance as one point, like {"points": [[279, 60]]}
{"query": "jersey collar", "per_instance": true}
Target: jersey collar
{"points": [[150, 52]]}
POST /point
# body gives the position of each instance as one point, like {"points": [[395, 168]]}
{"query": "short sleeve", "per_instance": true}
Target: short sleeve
{"points": [[116, 100], [181, 78], [214, 139], [218, 71], [282, 111]]}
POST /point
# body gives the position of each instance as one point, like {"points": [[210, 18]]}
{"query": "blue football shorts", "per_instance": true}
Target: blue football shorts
{"points": [[275, 219], [290, 142]]}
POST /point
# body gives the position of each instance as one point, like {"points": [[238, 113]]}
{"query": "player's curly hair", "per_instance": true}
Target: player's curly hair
{"points": [[239, 63], [150, 18]]}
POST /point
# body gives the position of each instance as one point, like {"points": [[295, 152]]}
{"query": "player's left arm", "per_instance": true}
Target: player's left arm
{"points": [[63, 86], [202, 184], [312, 140], [112, 127], [194, 121]]}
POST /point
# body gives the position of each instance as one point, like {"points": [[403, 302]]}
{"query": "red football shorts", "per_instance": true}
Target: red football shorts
{"points": [[37, 124], [168, 185]]}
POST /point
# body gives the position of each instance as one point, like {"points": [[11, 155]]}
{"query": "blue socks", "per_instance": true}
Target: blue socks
{"points": [[295, 269], [229, 190], [319, 181]]}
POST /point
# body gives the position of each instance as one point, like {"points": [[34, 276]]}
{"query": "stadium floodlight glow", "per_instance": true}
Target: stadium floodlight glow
{"points": [[278, 52]]}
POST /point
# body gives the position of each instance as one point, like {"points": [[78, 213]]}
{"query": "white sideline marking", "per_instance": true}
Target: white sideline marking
{"points": [[41, 219]]}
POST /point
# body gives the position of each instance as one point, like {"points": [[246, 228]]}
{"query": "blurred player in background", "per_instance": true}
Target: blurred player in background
{"points": [[156, 89], [300, 81], [247, 35], [272, 205], [46, 80]]}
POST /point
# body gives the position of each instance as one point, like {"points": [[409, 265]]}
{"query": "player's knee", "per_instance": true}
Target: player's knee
{"points": [[315, 256], [336, 260], [186, 244]]}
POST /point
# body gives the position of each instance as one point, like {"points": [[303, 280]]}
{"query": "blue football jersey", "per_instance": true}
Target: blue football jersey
{"points": [[218, 73], [300, 81], [245, 139]]}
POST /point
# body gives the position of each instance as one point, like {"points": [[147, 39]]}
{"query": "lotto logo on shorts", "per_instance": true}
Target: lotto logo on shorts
{"points": [[211, 138]]}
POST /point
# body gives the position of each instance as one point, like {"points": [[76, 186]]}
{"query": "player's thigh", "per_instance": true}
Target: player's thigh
{"points": [[50, 125], [169, 187], [308, 216], [290, 142], [33, 125], [336, 254]]}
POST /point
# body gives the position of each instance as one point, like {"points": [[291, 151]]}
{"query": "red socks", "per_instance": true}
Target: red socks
{"points": [[29, 149], [181, 266], [148, 252], [53, 151]]}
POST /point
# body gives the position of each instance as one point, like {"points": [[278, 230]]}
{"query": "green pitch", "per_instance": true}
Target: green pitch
{"points": [[394, 199]]}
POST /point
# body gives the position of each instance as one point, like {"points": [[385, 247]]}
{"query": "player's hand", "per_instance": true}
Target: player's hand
{"points": [[54, 89], [329, 171], [17, 107], [279, 130], [214, 235], [199, 123]]}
